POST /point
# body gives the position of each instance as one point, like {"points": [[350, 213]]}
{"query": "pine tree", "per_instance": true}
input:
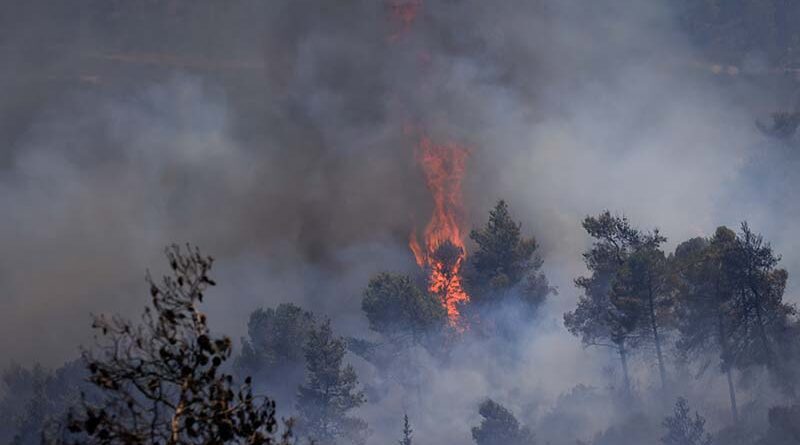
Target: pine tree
{"points": [[642, 290], [400, 311], [606, 315], [273, 353], [407, 438], [757, 309], [682, 429], [505, 260], [330, 392], [730, 302], [703, 298]]}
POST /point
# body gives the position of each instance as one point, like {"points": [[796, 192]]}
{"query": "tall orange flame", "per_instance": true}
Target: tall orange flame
{"points": [[443, 253]]}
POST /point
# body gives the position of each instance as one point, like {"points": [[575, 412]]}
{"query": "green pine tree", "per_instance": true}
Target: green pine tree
{"points": [[505, 260], [330, 392]]}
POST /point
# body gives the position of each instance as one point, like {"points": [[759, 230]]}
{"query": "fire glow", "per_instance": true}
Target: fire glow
{"points": [[405, 13], [442, 253]]}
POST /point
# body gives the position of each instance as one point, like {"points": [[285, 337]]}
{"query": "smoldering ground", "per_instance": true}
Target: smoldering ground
{"points": [[275, 136]]}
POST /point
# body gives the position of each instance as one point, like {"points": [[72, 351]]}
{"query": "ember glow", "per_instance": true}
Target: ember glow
{"points": [[404, 12], [442, 252]]}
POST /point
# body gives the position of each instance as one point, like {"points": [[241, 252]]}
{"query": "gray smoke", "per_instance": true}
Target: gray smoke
{"points": [[271, 134]]}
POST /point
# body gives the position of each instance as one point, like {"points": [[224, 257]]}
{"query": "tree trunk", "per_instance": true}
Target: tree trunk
{"points": [[752, 279], [623, 356], [656, 338], [175, 422], [723, 344], [761, 332], [732, 393]]}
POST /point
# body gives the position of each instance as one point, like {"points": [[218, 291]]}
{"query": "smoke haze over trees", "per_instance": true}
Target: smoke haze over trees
{"points": [[612, 150]]}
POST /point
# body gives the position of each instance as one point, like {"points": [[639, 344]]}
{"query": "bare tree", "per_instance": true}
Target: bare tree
{"points": [[160, 380]]}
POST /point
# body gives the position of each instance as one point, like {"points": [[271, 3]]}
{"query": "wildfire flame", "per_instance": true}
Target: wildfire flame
{"points": [[443, 252]]}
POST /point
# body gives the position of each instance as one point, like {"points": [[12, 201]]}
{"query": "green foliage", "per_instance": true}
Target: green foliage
{"points": [[397, 309], [274, 351], [505, 260], [599, 317], [641, 282], [625, 300], [500, 427], [160, 381], [276, 336], [704, 295], [503, 254], [730, 301], [756, 311], [330, 392], [683, 429], [641, 291], [596, 319]]}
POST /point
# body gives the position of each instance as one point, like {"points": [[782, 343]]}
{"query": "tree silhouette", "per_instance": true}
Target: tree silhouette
{"points": [[160, 381], [499, 427], [407, 432], [683, 429], [274, 351]]}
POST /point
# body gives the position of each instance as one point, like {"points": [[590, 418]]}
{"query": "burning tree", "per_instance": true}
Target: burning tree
{"points": [[445, 278], [443, 253]]}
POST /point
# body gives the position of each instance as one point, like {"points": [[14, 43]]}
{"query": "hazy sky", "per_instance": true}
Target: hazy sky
{"points": [[271, 135]]}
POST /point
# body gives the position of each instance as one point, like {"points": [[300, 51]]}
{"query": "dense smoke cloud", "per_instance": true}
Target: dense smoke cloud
{"points": [[278, 136]]}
